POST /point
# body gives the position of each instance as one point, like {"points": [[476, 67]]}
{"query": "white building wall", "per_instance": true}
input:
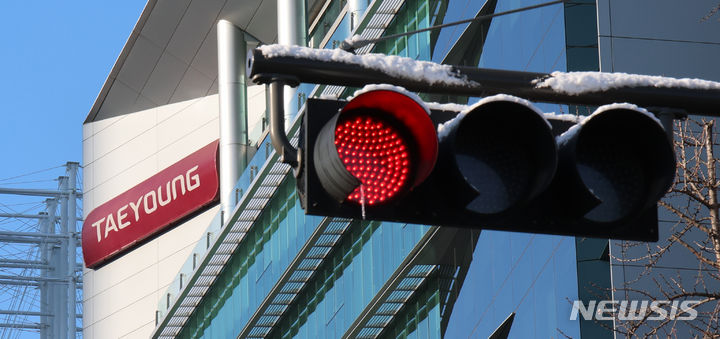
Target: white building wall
{"points": [[121, 297]]}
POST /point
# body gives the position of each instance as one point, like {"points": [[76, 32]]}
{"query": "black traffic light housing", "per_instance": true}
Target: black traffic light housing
{"points": [[499, 166], [609, 170]]}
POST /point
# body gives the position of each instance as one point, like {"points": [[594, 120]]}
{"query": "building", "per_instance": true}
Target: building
{"points": [[254, 265]]}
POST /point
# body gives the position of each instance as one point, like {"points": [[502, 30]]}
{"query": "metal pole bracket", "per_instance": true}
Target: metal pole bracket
{"points": [[288, 153]]}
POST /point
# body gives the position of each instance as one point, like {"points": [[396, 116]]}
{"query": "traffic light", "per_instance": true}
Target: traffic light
{"points": [[499, 164]]}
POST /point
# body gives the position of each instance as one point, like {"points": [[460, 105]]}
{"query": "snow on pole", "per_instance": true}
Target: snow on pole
{"points": [[576, 83], [398, 66], [341, 68]]}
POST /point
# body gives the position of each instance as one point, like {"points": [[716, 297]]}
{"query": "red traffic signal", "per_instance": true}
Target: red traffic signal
{"points": [[377, 147]]}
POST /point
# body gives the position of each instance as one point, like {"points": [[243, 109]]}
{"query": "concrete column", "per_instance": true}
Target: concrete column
{"points": [[232, 88]]}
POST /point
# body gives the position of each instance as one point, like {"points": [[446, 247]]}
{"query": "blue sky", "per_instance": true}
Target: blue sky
{"points": [[55, 58]]}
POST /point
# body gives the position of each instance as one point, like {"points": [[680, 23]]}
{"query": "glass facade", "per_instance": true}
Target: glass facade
{"points": [[421, 317], [363, 261], [533, 276], [263, 255]]}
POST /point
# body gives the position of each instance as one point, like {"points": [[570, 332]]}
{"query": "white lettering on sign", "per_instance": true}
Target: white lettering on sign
{"points": [[625, 310], [150, 202]]}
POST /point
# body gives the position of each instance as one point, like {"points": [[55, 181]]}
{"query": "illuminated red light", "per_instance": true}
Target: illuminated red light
{"points": [[371, 150], [381, 144]]}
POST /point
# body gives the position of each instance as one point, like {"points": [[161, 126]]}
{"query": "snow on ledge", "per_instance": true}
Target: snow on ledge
{"points": [[446, 106], [328, 96], [575, 83], [397, 66], [563, 117]]}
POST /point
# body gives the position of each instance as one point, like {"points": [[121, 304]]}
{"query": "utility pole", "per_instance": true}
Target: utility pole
{"points": [[54, 270]]}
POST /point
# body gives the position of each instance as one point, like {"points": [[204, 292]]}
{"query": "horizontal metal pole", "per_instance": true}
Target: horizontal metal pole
{"points": [[32, 314], [33, 192], [25, 326], [78, 285], [28, 313], [33, 279], [39, 264], [471, 81], [27, 240], [25, 216], [18, 261], [19, 283], [30, 266], [34, 235]]}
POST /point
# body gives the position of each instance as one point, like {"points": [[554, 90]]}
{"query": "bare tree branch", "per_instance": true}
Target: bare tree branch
{"points": [[693, 202], [711, 13]]}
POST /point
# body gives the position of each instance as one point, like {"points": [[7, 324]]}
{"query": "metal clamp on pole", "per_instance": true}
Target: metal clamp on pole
{"points": [[667, 116]]}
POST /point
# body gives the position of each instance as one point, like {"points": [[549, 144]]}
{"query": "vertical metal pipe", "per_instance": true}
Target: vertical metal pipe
{"points": [[291, 22], [51, 254], [62, 260], [43, 274], [288, 153], [60, 251], [292, 30], [46, 226], [667, 120], [71, 170], [232, 88]]}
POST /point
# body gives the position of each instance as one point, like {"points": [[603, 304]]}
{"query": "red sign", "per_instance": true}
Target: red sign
{"points": [[152, 206]]}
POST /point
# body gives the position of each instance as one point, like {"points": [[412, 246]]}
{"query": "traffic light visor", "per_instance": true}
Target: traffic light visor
{"points": [[624, 158], [504, 150]]}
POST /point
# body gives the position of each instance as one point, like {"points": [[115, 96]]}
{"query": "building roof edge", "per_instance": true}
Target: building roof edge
{"points": [[120, 60]]}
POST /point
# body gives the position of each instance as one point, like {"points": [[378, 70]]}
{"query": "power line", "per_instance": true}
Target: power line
{"points": [[31, 173], [28, 182], [24, 203]]}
